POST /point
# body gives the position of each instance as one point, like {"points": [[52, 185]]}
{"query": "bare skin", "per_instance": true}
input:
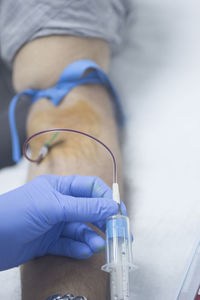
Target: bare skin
{"points": [[87, 108]]}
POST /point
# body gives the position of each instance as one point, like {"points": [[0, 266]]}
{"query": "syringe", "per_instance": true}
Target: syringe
{"points": [[119, 259]]}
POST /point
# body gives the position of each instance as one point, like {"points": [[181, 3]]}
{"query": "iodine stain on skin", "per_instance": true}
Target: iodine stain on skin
{"points": [[79, 116]]}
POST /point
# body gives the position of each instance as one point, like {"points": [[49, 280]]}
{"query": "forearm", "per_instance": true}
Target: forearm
{"points": [[38, 65], [87, 108]]}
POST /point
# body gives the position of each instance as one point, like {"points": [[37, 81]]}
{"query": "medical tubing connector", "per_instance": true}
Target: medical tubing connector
{"points": [[119, 259]]}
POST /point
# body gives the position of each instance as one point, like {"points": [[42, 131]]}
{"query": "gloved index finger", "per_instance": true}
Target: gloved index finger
{"points": [[84, 186], [86, 209]]}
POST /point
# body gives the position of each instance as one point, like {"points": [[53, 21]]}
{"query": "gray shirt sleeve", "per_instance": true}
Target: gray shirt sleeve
{"points": [[22, 21]]}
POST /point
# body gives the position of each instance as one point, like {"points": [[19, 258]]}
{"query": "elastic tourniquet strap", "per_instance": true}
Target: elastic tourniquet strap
{"points": [[71, 77]]}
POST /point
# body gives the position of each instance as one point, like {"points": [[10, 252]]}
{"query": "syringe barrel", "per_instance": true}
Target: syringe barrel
{"points": [[118, 241], [119, 259]]}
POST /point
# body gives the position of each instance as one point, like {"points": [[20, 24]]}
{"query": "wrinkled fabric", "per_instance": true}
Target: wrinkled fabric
{"points": [[22, 21]]}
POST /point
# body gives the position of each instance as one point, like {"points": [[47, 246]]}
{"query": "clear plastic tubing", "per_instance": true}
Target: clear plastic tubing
{"points": [[119, 259]]}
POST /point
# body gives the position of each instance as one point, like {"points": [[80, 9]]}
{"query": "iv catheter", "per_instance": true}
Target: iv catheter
{"points": [[119, 258]]}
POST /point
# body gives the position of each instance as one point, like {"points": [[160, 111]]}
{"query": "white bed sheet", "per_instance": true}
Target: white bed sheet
{"points": [[157, 75]]}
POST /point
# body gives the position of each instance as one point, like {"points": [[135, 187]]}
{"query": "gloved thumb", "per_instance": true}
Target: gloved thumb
{"points": [[74, 209]]}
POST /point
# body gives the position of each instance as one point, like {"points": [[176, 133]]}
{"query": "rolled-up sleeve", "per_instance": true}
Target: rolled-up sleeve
{"points": [[22, 21]]}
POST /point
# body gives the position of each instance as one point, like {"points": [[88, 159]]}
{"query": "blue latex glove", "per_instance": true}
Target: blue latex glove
{"points": [[47, 215]]}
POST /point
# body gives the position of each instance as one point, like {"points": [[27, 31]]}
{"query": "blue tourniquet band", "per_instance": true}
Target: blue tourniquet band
{"points": [[71, 77]]}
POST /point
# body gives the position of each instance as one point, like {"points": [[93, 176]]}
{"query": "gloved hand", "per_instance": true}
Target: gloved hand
{"points": [[47, 215]]}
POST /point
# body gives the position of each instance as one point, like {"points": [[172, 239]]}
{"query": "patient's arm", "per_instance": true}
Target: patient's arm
{"points": [[88, 108]]}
